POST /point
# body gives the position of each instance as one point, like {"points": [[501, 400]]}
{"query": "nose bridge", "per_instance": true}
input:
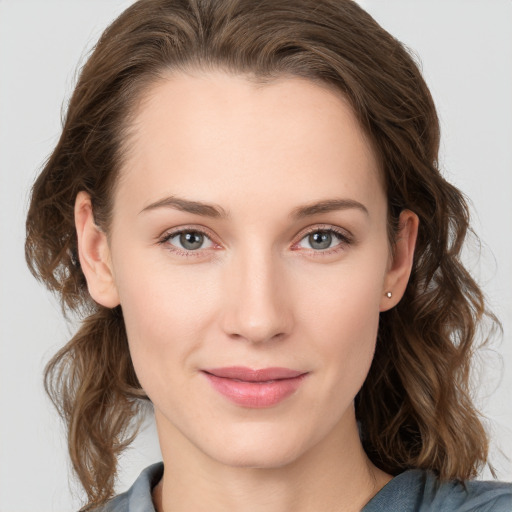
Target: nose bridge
{"points": [[258, 308]]}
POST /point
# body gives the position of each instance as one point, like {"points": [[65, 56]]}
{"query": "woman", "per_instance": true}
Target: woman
{"points": [[246, 206]]}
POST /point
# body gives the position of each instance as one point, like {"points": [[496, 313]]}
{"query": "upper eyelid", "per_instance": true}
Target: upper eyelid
{"points": [[327, 227], [304, 232], [169, 233]]}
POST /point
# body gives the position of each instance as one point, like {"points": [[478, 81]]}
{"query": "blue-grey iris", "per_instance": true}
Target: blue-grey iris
{"points": [[191, 240], [323, 240]]}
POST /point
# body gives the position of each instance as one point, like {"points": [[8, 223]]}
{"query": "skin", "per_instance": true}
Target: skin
{"points": [[259, 292]]}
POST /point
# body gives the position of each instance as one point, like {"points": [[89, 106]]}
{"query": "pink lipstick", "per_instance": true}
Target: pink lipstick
{"points": [[254, 388]]}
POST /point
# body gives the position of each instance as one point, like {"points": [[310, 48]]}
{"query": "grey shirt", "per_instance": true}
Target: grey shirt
{"points": [[412, 491]]}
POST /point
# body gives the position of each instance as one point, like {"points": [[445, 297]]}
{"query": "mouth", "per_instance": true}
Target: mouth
{"points": [[254, 388]]}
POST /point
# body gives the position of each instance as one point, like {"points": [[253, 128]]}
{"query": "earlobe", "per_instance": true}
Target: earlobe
{"points": [[94, 254], [399, 271]]}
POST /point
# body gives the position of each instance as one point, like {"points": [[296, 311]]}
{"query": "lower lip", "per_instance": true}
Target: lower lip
{"points": [[255, 394]]}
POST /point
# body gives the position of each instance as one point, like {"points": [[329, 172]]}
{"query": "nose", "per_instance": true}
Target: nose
{"points": [[258, 305]]}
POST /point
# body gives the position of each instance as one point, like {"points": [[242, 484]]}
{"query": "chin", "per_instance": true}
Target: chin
{"points": [[262, 451]]}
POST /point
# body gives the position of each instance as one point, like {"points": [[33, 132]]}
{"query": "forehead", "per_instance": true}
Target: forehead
{"points": [[192, 131]]}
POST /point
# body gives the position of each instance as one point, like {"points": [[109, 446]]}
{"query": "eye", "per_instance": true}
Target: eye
{"points": [[321, 240], [186, 241]]}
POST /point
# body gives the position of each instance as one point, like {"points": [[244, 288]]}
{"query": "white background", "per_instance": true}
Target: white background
{"points": [[465, 47]]}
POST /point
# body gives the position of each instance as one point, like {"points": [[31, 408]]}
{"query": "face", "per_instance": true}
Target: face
{"points": [[249, 233]]}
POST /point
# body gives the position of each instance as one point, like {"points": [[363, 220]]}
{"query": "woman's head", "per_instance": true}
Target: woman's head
{"points": [[247, 233], [302, 56]]}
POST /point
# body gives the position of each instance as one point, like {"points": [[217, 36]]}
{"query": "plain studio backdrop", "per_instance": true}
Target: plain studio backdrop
{"points": [[465, 47]]}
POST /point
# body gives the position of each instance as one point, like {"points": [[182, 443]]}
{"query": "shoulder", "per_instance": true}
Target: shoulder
{"points": [[468, 496], [138, 497], [421, 491]]}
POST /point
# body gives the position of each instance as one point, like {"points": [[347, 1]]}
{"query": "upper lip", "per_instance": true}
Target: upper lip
{"points": [[252, 375]]}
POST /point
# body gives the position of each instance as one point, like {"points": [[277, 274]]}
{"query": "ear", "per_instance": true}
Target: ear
{"points": [[401, 259], [94, 254]]}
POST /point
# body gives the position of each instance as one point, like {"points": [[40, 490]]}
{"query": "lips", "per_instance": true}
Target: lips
{"points": [[249, 375], [254, 388]]}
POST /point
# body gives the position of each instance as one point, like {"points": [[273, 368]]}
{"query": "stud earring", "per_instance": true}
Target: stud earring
{"points": [[389, 295]]}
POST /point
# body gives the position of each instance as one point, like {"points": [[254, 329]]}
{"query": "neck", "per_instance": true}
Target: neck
{"points": [[335, 475]]}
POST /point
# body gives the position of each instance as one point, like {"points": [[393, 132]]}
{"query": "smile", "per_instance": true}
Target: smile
{"points": [[254, 388]]}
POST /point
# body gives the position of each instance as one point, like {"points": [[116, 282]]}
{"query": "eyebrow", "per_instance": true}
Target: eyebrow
{"points": [[328, 205], [217, 212], [185, 205]]}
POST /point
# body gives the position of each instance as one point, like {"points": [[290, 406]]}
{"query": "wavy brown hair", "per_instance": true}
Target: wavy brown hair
{"points": [[415, 408]]}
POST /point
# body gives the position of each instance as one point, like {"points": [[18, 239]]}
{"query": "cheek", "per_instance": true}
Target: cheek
{"points": [[345, 300], [347, 330], [167, 313], [342, 316]]}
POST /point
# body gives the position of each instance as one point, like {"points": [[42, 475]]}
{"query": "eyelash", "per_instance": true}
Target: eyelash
{"points": [[344, 240], [181, 252]]}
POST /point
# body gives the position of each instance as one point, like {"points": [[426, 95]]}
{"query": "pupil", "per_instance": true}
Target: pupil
{"points": [[321, 238], [191, 240]]}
